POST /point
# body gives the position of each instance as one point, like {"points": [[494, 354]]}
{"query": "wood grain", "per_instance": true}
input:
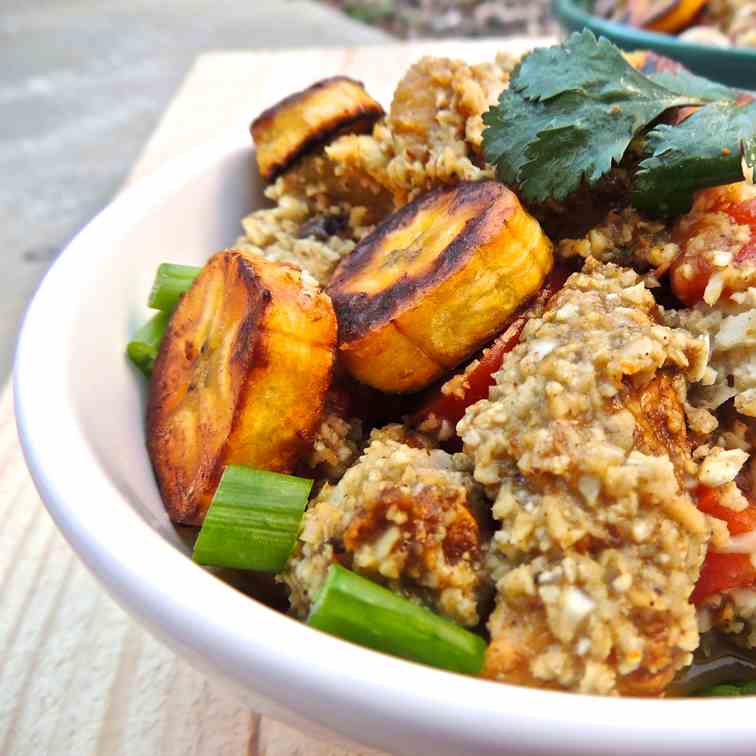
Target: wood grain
{"points": [[78, 675]]}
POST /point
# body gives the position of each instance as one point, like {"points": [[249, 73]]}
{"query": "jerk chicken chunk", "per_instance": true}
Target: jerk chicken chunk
{"points": [[403, 515], [582, 446]]}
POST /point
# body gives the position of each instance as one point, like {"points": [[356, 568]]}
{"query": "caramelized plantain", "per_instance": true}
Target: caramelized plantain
{"points": [[309, 118], [434, 282], [241, 378]]}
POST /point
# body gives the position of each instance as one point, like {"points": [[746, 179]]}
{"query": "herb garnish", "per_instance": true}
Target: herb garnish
{"points": [[571, 112], [691, 156], [686, 83]]}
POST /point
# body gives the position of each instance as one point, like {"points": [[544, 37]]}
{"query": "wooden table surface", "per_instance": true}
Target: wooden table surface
{"points": [[77, 675]]}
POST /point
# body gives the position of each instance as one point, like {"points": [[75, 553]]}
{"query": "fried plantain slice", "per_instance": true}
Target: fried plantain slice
{"points": [[241, 377], [434, 282], [309, 118]]}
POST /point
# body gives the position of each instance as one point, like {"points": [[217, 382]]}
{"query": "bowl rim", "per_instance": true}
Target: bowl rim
{"points": [[576, 13], [383, 695]]}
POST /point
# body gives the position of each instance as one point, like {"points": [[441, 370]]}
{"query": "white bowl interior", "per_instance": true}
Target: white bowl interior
{"points": [[80, 409]]}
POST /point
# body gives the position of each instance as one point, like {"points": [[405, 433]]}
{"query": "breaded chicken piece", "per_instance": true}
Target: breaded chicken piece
{"points": [[582, 445], [403, 515], [434, 130]]}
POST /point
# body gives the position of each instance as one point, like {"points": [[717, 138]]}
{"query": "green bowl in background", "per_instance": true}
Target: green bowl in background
{"points": [[735, 66]]}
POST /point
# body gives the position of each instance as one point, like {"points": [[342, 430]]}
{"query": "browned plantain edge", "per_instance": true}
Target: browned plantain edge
{"points": [[359, 312], [187, 512], [360, 122]]}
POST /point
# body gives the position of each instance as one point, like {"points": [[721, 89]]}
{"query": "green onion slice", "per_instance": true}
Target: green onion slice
{"points": [[171, 281], [145, 344], [253, 520], [358, 610], [730, 689]]}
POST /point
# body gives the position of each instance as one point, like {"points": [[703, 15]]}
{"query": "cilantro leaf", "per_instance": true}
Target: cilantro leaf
{"points": [[594, 67], [688, 84], [549, 131], [712, 147]]}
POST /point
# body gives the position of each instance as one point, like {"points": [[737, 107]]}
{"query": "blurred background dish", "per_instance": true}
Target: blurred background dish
{"points": [[722, 23], [699, 48]]}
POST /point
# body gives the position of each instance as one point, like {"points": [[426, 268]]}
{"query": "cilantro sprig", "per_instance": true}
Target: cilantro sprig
{"points": [[693, 155], [571, 112]]}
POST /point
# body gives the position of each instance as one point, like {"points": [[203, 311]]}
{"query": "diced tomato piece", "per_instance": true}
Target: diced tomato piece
{"points": [[689, 288], [449, 405], [737, 522], [748, 253], [743, 212], [721, 572]]}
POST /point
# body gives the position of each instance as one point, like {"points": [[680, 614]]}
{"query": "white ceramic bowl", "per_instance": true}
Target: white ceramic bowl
{"points": [[80, 405]]}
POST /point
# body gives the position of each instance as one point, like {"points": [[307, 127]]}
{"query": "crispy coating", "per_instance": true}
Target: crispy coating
{"points": [[320, 182], [582, 447], [403, 515]]}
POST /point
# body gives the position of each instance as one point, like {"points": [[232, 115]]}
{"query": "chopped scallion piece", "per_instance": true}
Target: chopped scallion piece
{"points": [[253, 520], [358, 610], [171, 281], [145, 344]]}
